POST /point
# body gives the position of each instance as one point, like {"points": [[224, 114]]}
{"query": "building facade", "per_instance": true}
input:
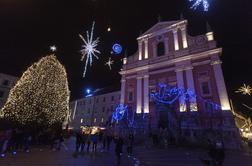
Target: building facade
{"points": [[168, 55], [6, 83], [94, 110]]}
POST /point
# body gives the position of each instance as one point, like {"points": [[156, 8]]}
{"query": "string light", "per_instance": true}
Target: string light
{"points": [[41, 95]]}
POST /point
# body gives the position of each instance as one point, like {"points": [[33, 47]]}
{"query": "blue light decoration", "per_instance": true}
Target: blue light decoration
{"points": [[2, 155], [14, 153], [197, 3], [168, 95], [117, 48], [88, 91], [119, 112]]}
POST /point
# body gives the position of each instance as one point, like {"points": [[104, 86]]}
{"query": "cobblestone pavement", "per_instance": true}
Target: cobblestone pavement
{"points": [[65, 157], [186, 157]]}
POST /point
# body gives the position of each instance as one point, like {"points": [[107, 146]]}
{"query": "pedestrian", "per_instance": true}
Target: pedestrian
{"points": [[88, 141], [130, 144], [83, 141], [78, 141], [118, 149], [94, 139], [220, 153]]}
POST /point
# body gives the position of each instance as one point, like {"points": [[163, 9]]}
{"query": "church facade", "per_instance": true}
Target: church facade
{"points": [[168, 55]]}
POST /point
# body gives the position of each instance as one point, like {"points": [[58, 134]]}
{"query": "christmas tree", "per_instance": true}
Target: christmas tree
{"points": [[41, 96]]}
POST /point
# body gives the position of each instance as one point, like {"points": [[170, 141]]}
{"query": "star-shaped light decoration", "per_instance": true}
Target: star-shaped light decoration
{"points": [[109, 63], [53, 48], [89, 49], [245, 90]]}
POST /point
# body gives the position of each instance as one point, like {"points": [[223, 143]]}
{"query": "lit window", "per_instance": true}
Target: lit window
{"points": [[102, 120], [94, 120], [81, 120]]}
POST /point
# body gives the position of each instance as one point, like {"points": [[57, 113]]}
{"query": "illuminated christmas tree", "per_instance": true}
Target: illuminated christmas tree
{"points": [[41, 96]]}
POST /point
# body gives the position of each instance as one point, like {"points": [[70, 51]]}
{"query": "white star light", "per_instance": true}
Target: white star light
{"points": [[245, 90], [53, 48], [89, 49], [109, 63], [197, 3]]}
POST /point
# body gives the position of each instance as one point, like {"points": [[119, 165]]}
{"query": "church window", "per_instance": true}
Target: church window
{"points": [[160, 49]]}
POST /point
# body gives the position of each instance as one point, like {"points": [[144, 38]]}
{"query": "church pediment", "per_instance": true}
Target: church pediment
{"points": [[161, 26]]}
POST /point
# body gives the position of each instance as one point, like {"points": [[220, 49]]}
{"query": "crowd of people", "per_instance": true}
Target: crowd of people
{"points": [[13, 140], [86, 141]]}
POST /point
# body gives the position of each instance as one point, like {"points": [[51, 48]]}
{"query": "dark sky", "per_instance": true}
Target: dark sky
{"points": [[29, 27]]}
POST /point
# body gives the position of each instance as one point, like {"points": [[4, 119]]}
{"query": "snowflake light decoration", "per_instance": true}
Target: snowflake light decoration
{"points": [[197, 3], [245, 90], [89, 49], [109, 63]]}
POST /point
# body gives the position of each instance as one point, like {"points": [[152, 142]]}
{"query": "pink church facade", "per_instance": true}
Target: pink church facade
{"points": [[167, 54]]}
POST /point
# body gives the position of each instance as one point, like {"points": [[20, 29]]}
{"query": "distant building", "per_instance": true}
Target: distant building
{"points": [[167, 54], [6, 83], [94, 110]]}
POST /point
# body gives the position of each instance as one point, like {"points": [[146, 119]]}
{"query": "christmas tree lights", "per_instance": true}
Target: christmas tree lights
{"points": [[41, 96]]}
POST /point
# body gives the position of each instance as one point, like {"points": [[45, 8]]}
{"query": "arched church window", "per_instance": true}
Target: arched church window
{"points": [[160, 49]]}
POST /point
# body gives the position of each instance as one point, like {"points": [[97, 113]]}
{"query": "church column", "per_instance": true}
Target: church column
{"points": [[191, 88], [140, 50], [184, 37], [221, 87], [180, 84], [123, 82], [166, 45], [146, 94], [139, 95], [146, 53], [175, 37]]}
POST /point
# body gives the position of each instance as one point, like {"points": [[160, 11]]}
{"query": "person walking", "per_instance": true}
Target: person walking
{"points": [[78, 141], [83, 141], [94, 139], [130, 144], [118, 149], [88, 141]]}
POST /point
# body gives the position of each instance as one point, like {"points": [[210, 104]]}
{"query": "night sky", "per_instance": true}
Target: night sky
{"points": [[29, 27]]}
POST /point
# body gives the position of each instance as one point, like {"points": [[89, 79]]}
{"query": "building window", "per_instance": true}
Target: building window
{"points": [[112, 108], [94, 120], [1, 94], [112, 98], [104, 99], [205, 88], [97, 100], [6, 83], [107, 110], [88, 110], [160, 49], [81, 120], [102, 120], [103, 109], [130, 96]]}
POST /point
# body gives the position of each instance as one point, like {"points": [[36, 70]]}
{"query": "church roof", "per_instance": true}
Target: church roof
{"points": [[161, 25]]}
